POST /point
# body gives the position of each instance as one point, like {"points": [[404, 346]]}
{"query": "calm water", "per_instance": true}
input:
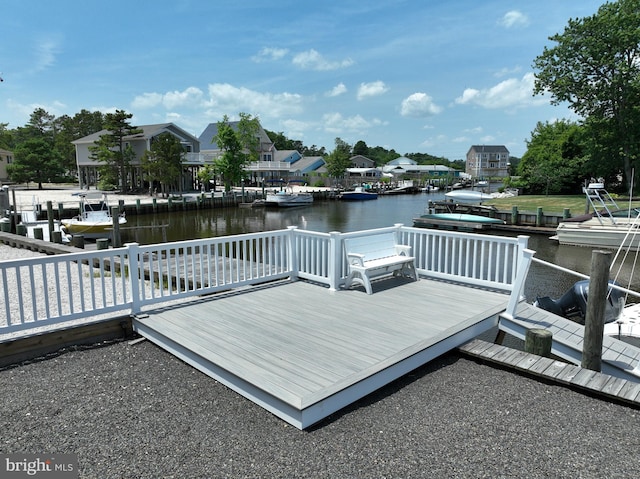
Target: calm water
{"points": [[353, 216]]}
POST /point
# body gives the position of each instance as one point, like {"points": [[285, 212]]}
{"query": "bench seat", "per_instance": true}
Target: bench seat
{"points": [[376, 255]]}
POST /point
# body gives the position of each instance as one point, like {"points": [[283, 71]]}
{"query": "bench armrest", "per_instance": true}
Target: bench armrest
{"points": [[355, 258], [402, 249]]}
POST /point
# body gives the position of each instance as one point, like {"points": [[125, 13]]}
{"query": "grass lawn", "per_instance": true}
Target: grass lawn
{"points": [[549, 204]]}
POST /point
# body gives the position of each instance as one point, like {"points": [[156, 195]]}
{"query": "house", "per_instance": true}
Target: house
{"points": [[88, 167], [360, 161], [6, 158], [485, 161], [406, 166]]}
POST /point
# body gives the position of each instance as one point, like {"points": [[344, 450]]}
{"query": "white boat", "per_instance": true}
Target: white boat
{"points": [[288, 198], [606, 227], [468, 195], [620, 321], [94, 220]]}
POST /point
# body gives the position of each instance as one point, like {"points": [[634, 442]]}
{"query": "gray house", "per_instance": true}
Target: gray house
{"points": [[484, 161], [88, 168]]}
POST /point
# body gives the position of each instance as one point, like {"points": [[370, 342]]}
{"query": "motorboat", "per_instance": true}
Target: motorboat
{"points": [[94, 219], [607, 226], [468, 195], [358, 194], [288, 198], [457, 221], [621, 320]]}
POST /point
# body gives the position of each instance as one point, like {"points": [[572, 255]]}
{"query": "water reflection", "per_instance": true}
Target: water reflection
{"points": [[353, 216]]}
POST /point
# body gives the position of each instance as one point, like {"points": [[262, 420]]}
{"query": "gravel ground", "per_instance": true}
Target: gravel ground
{"points": [[135, 411]]}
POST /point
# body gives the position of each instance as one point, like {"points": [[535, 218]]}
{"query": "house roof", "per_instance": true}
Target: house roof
{"points": [[488, 149], [210, 132], [148, 131], [307, 164], [403, 160]]}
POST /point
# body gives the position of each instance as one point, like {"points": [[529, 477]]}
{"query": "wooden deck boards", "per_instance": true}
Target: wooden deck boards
{"points": [[567, 374], [303, 351], [619, 359]]}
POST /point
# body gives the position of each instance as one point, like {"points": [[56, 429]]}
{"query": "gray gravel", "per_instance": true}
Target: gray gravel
{"points": [[135, 411]]}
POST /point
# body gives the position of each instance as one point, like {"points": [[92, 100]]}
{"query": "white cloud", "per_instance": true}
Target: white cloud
{"points": [[511, 93], [514, 18], [419, 105], [46, 52], [312, 60], [337, 90], [460, 139], [295, 128], [223, 99], [336, 123], [270, 54], [487, 139], [230, 100], [23, 110], [371, 89]]}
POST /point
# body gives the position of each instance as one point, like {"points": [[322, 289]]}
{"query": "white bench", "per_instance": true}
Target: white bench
{"points": [[375, 255]]}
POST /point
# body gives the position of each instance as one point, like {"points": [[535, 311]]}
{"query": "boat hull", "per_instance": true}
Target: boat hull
{"points": [[288, 200], [594, 235], [90, 229], [358, 196]]}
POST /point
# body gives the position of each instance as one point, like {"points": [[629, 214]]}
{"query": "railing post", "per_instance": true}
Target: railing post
{"points": [[335, 260], [518, 285], [134, 276], [292, 257]]}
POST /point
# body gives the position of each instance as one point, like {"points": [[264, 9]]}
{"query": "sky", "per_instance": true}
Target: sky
{"points": [[416, 76]]}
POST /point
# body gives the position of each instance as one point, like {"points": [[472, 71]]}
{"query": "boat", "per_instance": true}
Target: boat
{"points": [[468, 195], [620, 321], [287, 198], [358, 194], [94, 219], [607, 226], [458, 221]]}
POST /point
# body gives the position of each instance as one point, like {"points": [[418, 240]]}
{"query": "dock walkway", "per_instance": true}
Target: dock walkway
{"points": [[619, 359], [304, 352]]}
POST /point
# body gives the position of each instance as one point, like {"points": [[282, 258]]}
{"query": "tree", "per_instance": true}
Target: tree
{"points": [[112, 150], [595, 67], [35, 160], [163, 161], [338, 160], [239, 146], [6, 137], [555, 161], [361, 148]]}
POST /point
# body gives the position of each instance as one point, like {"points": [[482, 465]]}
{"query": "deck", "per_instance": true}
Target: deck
{"points": [[619, 359], [304, 352]]}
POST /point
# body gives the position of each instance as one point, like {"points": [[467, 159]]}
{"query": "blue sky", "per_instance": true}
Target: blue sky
{"points": [[416, 76]]}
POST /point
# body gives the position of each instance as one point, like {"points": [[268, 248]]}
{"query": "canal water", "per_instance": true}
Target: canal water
{"points": [[326, 216]]}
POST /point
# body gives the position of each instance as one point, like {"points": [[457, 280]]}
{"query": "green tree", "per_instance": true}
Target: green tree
{"points": [[112, 150], [35, 160], [361, 148], [163, 162], [338, 160], [554, 162], [594, 66], [239, 146], [6, 137]]}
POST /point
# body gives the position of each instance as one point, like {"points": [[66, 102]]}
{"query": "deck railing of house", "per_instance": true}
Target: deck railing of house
{"points": [[46, 290]]}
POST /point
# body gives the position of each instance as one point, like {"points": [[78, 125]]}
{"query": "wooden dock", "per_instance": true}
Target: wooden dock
{"points": [[304, 352], [619, 359]]}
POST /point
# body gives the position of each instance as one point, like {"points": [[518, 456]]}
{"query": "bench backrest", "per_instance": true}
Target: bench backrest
{"points": [[381, 245]]}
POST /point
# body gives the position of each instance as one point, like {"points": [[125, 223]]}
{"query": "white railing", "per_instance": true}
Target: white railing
{"points": [[47, 290]]}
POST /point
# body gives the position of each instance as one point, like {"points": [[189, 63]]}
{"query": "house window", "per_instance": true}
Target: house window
{"points": [[9, 159], [266, 157]]}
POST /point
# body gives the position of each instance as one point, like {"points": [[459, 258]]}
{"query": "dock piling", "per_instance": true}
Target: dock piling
{"points": [[538, 341], [594, 319]]}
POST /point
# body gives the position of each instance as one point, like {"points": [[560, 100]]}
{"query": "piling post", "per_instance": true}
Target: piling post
{"points": [[596, 301], [50, 218], [38, 233], [538, 341], [78, 241], [539, 216], [155, 205], [138, 205], [56, 237], [514, 215], [60, 210], [102, 243], [21, 229], [566, 213], [115, 219]]}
